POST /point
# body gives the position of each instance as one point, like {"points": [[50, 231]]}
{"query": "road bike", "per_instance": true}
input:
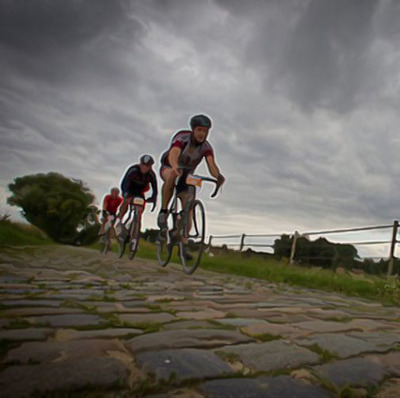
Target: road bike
{"points": [[130, 228], [185, 228]]}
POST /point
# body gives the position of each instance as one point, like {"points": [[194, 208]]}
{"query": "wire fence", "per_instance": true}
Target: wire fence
{"points": [[241, 241]]}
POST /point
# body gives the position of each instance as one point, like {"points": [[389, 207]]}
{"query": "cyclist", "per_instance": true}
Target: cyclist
{"points": [[187, 149], [135, 183], [111, 202]]}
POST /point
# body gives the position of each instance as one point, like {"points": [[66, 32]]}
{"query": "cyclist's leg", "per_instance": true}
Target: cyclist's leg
{"points": [[187, 197], [123, 208], [167, 191], [103, 225]]}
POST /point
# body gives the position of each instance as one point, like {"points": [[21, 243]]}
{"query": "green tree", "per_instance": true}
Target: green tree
{"points": [[56, 204]]}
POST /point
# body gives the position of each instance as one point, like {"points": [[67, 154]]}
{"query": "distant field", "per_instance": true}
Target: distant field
{"points": [[366, 286]]}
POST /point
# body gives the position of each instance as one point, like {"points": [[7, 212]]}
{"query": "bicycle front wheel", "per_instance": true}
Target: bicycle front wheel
{"points": [[121, 246], [190, 254], [134, 240]]}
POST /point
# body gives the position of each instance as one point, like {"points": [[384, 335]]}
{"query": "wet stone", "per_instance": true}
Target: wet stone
{"points": [[184, 364], [156, 317], [239, 322], [355, 372], [31, 303], [34, 311], [262, 387], [391, 362], [188, 325], [257, 329], [26, 334], [272, 355], [192, 338], [379, 339], [50, 351], [71, 334], [99, 373], [66, 320], [202, 315], [339, 344], [326, 326]]}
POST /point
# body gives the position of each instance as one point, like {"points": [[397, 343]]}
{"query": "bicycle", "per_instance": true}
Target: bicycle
{"points": [[131, 234], [188, 225], [105, 239]]}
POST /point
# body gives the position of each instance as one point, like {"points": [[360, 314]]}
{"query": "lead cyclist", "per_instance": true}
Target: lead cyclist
{"points": [[186, 151]]}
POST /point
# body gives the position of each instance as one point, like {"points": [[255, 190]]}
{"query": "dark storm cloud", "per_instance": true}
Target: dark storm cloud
{"points": [[303, 94], [313, 51]]}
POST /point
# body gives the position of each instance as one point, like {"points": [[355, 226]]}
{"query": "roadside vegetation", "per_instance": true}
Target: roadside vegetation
{"points": [[20, 234]]}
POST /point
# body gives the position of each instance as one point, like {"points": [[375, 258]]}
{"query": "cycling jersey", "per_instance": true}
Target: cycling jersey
{"points": [[135, 183], [111, 204], [191, 154]]}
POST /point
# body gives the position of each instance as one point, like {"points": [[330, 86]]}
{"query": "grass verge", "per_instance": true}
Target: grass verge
{"points": [[20, 234]]}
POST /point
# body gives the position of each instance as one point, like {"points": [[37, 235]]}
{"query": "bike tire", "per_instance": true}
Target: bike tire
{"points": [[165, 243], [132, 251], [121, 247], [191, 260]]}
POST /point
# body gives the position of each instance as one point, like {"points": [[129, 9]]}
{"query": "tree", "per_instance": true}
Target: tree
{"points": [[56, 204]]}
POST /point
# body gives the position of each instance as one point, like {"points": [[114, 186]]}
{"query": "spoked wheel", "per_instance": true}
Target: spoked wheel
{"points": [[121, 247], [165, 243], [122, 239], [133, 242], [191, 253]]}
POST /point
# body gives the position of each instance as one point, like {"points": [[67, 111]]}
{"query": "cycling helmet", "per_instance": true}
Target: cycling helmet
{"points": [[147, 160], [200, 120]]}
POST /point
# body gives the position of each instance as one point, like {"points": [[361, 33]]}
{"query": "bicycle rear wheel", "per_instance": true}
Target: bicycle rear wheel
{"points": [[165, 243], [191, 253]]}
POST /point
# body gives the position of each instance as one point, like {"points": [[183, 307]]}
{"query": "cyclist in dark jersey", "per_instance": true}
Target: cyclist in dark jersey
{"points": [[136, 182], [187, 150]]}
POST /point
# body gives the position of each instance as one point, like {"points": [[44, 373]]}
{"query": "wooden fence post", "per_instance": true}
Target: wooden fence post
{"points": [[293, 250], [393, 247], [242, 242]]}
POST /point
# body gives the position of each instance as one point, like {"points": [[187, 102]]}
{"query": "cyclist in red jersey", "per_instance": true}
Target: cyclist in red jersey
{"points": [[187, 149], [111, 202]]}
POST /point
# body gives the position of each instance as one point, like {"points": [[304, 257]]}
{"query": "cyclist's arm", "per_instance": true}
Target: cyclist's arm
{"points": [[153, 182], [212, 166]]}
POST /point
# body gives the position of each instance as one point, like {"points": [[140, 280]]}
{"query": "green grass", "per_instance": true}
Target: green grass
{"points": [[371, 287], [19, 234]]}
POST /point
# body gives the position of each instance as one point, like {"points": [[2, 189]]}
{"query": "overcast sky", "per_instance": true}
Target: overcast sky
{"points": [[304, 95]]}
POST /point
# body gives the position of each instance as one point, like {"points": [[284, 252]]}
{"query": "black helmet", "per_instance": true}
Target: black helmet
{"points": [[147, 160], [200, 120]]}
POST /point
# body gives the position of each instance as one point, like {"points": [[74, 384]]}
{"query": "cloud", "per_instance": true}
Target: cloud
{"points": [[303, 94]]}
